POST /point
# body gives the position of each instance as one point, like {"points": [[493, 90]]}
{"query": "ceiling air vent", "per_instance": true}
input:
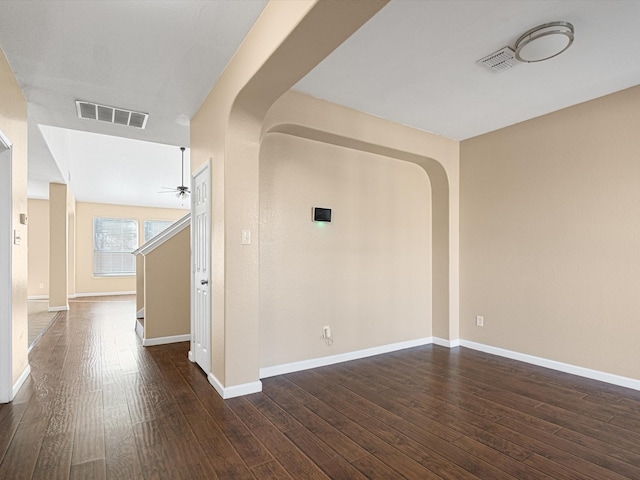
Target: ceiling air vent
{"points": [[104, 113], [503, 59]]}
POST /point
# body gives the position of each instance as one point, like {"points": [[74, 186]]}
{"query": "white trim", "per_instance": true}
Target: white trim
{"points": [[38, 297], [6, 269], [150, 342], [192, 359], [165, 235], [4, 140], [140, 313], [446, 343], [139, 330], [104, 294], [554, 365], [21, 379], [342, 357], [235, 390], [62, 308]]}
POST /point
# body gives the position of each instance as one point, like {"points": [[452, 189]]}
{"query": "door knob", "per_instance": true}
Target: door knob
{"points": [[204, 282]]}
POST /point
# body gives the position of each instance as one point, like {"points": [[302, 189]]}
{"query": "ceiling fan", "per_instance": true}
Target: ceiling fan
{"points": [[181, 190]]}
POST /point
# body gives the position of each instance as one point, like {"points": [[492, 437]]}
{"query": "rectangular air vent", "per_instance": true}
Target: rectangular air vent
{"points": [[93, 111], [503, 59]]}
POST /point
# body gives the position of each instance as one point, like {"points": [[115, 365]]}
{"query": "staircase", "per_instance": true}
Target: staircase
{"points": [[163, 279]]}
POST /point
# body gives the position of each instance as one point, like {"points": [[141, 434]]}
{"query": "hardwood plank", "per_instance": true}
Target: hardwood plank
{"points": [[99, 405], [88, 440], [375, 469], [359, 435], [91, 470], [276, 415], [286, 454], [151, 451], [121, 455], [456, 455], [428, 458], [317, 425], [592, 459], [226, 461], [270, 471], [322, 455], [10, 416], [22, 454], [54, 458]]}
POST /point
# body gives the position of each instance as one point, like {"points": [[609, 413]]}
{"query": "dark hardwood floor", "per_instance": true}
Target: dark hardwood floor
{"points": [[99, 405]]}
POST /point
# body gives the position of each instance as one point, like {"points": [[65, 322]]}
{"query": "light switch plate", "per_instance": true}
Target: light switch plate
{"points": [[246, 237]]}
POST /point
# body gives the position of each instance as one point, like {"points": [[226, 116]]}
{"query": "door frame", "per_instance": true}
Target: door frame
{"points": [[6, 272], [205, 167]]}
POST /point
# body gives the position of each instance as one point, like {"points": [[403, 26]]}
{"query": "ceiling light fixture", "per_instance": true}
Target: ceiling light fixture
{"points": [[181, 191], [544, 42]]}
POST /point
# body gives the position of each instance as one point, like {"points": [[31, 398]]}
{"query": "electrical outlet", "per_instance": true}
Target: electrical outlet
{"points": [[479, 321], [41, 285], [326, 332]]}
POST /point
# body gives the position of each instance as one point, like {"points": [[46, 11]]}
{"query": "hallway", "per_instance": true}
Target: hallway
{"points": [[99, 405]]}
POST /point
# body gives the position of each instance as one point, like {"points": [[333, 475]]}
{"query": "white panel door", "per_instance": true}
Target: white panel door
{"points": [[201, 268]]}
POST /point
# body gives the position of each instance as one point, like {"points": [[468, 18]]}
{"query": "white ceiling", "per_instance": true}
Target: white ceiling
{"points": [[413, 63], [159, 57]]}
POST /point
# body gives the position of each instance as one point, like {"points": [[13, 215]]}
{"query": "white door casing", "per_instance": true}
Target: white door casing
{"points": [[6, 284], [201, 269]]}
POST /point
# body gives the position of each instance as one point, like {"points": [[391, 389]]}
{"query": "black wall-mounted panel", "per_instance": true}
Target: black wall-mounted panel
{"points": [[321, 214]]}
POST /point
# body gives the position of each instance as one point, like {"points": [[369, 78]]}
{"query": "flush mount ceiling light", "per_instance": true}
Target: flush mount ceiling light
{"points": [[544, 42]]}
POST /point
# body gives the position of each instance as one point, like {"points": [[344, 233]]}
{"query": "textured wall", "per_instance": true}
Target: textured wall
{"points": [[367, 274], [550, 233]]}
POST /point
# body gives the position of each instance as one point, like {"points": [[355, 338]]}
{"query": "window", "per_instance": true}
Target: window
{"points": [[155, 227], [113, 241]]}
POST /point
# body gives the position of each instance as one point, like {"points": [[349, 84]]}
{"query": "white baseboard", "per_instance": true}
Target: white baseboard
{"points": [[234, 390], [21, 379], [62, 308], [554, 365], [139, 330], [38, 297], [342, 357], [446, 343], [150, 342], [103, 294]]}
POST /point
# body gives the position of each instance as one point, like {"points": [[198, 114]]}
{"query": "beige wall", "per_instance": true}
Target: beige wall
{"points": [[38, 227], [85, 212], [287, 41], [550, 235], [139, 282], [367, 274], [58, 246], [71, 243], [13, 122], [167, 284], [303, 116]]}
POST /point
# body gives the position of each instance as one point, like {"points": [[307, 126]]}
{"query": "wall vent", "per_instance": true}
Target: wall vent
{"points": [[503, 59], [121, 116]]}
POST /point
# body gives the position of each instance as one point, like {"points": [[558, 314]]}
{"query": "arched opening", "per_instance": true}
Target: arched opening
{"points": [[441, 322]]}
